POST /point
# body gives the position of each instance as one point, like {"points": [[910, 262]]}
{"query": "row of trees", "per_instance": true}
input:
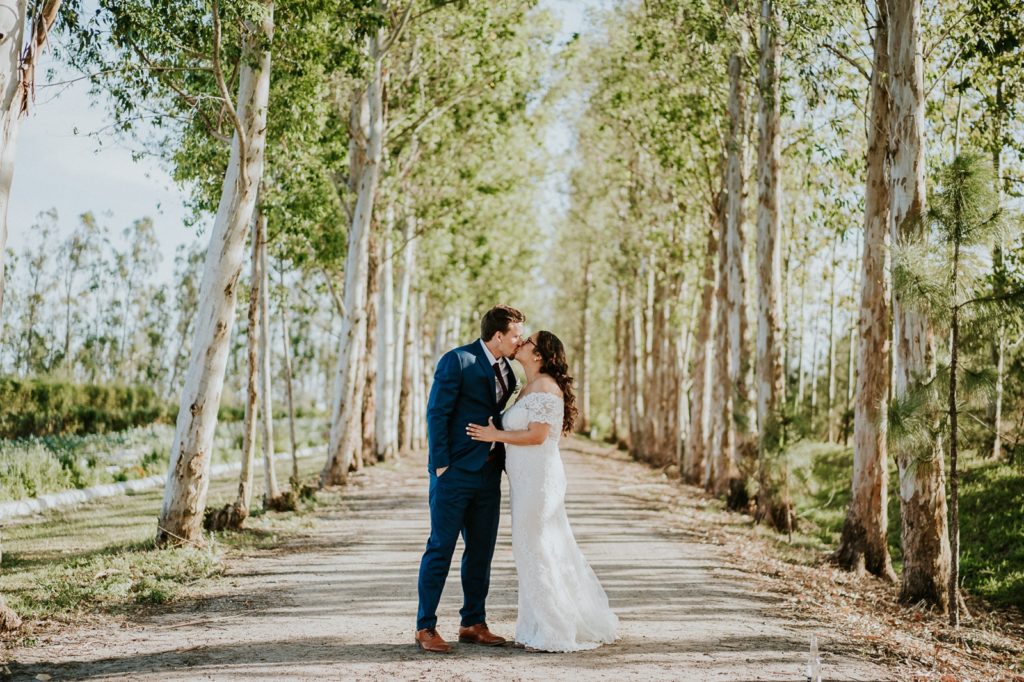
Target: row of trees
{"points": [[741, 162], [354, 143], [377, 163]]}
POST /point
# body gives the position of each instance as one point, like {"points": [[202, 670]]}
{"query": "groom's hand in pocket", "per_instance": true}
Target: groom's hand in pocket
{"points": [[440, 470]]}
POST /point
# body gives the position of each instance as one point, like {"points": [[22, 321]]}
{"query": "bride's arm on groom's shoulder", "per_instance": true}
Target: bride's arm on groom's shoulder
{"points": [[534, 435]]}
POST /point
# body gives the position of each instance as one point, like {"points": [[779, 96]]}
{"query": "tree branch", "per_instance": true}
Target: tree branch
{"points": [[339, 305], [41, 24], [848, 59], [398, 29], [226, 96]]}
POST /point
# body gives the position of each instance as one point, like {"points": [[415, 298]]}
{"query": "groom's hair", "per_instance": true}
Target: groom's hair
{"points": [[498, 319]]}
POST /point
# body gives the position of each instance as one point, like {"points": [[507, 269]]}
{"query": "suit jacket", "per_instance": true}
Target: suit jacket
{"points": [[463, 393]]}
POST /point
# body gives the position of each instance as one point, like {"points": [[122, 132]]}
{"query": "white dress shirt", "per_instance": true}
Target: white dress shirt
{"points": [[502, 367]]}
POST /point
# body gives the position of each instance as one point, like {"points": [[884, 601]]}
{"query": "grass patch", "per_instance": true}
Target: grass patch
{"points": [[100, 558], [991, 515], [116, 580]]}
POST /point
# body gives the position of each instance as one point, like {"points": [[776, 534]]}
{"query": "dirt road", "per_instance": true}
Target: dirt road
{"points": [[346, 609]]}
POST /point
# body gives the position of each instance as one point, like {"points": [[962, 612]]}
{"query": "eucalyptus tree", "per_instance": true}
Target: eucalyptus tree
{"points": [[926, 554], [770, 380], [939, 274], [180, 60], [18, 60], [733, 295], [434, 107], [173, 57], [863, 544]]}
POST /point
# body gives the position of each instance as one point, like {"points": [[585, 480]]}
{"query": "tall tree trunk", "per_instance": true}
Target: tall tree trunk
{"points": [[368, 368], [700, 413], [954, 476], [851, 364], [863, 545], [583, 424], [769, 264], [286, 342], [422, 377], [736, 272], [813, 377], [346, 413], [926, 554], [801, 380], [402, 353], [243, 502], [619, 368], [409, 374], [386, 435], [998, 267], [721, 467], [273, 491], [634, 381], [830, 416], [188, 478]]}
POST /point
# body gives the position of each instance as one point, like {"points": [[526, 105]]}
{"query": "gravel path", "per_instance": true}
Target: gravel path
{"points": [[346, 610]]}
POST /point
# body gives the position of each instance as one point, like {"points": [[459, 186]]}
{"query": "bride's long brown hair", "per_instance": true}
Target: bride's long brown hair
{"points": [[552, 363]]}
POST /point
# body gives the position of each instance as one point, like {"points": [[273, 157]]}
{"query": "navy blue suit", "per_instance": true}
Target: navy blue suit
{"points": [[466, 499]]}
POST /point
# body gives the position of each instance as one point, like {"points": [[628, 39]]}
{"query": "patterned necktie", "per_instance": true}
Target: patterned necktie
{"points": [[501, 388]]}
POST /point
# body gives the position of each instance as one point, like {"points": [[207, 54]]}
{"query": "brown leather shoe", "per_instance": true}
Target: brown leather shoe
{"points": [[428, 640], [479, 634]]}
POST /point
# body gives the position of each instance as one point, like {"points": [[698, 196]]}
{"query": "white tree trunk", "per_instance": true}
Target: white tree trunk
{"points": [[736, 271], [188, 477], [769, 253], [721, 463], [926, 552], [12, 36], [863, 545], [830, 419], [401, 323], [245, 480], [273, 491], [697, 439], [423, 375], [584, 374], [386, 436], [346, 414], [801, 391], [771, 495], [286, 342], [368, 365]]}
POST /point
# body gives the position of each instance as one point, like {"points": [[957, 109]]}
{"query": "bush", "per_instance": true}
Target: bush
{"points": [[29, 471], [42, 407]]}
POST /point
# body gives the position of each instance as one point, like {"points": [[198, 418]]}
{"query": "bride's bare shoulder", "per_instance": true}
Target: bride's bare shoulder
{"points": [[546, 384]]}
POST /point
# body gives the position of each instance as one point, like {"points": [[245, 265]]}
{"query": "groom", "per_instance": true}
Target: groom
{"points": [[471, 385]]}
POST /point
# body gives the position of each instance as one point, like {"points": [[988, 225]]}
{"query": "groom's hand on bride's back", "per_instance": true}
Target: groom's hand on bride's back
{"points": [[440, 470]]}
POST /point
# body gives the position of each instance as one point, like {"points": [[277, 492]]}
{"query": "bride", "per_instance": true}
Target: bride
{"points": [[562, 606]]}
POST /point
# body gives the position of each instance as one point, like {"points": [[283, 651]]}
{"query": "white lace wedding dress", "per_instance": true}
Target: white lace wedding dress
{"points": [[562, 606]]}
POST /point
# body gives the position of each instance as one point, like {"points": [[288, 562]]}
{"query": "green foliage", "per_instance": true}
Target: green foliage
{"points": [[41, 407], [991, 515], [992, 532]]}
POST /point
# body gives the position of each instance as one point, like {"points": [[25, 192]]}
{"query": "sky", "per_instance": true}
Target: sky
{"points": [[70, 160]]}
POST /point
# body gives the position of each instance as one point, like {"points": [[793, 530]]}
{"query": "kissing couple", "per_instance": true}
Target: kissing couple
{"points": [[472, 438]]}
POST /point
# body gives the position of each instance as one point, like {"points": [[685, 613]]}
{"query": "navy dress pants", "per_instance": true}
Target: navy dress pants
{"points": [[466, 503]]}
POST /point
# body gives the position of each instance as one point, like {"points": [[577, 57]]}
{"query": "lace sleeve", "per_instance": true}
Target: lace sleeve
{"points": [[545, 408]]}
